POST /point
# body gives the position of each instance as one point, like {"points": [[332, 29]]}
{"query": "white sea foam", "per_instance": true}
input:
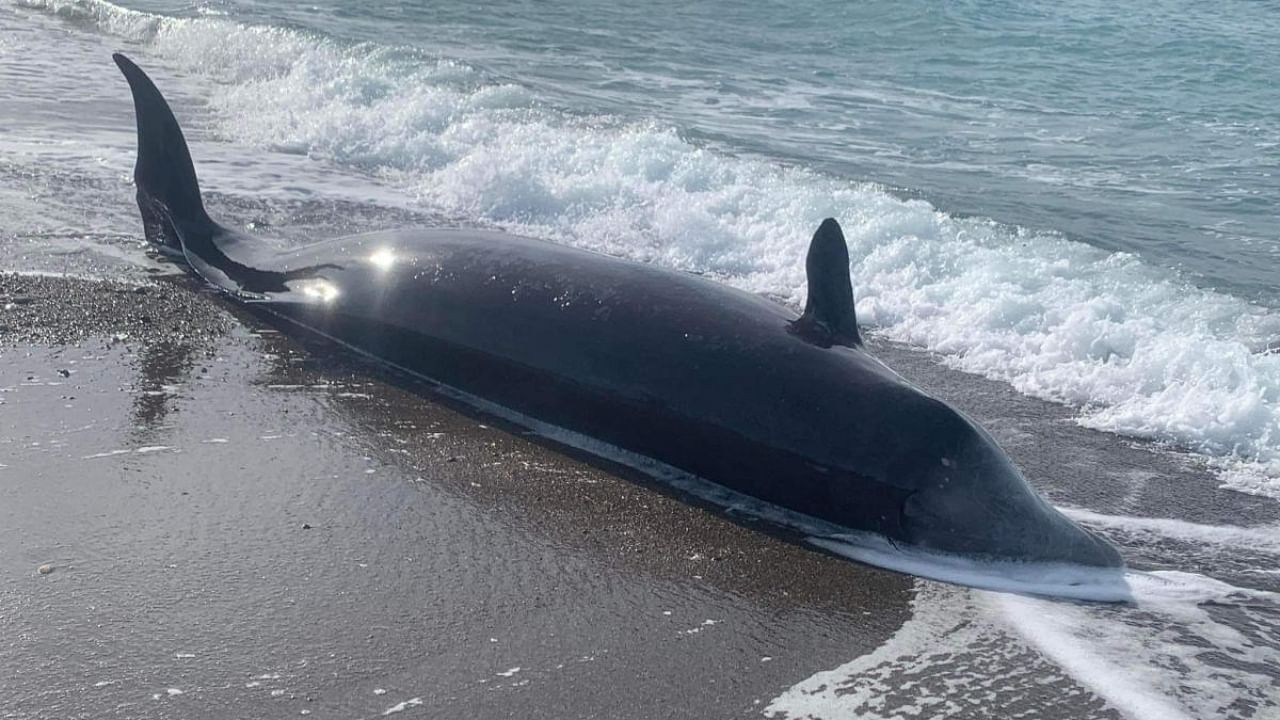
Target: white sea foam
{"points": [[1264, 539], [1190, 647], [1186, 646], [952, 658], [1126, 657], [1139, 351]]}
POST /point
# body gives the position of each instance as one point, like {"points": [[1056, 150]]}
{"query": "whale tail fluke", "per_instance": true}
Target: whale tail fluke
{"points": [[168, 193], [173, 216], [828, 317]]}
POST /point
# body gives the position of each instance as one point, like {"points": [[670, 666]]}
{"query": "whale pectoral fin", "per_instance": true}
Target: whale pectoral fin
{"points": [[828, 313], [261, 282]]}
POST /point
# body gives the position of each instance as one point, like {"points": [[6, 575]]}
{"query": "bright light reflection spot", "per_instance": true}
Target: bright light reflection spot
{"points": [[383, 258], [321, 290]]}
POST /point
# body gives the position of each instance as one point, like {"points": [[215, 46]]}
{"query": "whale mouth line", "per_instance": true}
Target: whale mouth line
{"points": [[1053, 579]]}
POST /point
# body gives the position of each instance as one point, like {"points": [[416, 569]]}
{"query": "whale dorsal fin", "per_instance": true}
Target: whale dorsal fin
{"points": [[828, 313]]}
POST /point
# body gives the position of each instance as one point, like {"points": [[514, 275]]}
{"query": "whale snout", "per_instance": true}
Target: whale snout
{"points": [[975, 502], [1019, 525]]}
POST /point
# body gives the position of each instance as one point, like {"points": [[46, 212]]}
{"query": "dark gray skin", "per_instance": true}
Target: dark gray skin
{"points": [[717, 382]]}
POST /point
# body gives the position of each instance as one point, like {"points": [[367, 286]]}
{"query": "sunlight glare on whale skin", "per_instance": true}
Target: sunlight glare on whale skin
{"points": [[382, 258], [319, 290]]}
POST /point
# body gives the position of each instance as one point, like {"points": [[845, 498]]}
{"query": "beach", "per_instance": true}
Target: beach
{"points": [[241, 523], [273, 531]]}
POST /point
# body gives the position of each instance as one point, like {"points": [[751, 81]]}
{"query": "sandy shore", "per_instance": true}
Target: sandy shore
{"points": [[271, 533], [240, 524]]}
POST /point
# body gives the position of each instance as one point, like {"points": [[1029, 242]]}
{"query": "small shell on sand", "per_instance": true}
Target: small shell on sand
{"points": [[45, 569]]}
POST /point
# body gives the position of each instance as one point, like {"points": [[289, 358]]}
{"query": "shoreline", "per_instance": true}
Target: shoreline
{"points": [[221, 492], [270, 525]]}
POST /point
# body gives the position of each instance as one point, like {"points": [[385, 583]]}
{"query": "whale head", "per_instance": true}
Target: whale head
{"points": [[970, 499]]}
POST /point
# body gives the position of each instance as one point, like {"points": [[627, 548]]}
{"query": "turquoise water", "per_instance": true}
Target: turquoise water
{"points": [[1152, 128]]}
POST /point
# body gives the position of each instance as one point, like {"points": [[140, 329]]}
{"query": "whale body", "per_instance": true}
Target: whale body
{"points": [[730, 387]]}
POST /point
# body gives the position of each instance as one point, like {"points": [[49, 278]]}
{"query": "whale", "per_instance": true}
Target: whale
{"points": [[786, 408]]}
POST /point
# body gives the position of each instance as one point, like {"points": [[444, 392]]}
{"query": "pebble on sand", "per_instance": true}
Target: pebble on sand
{"points": [[45, 569]]}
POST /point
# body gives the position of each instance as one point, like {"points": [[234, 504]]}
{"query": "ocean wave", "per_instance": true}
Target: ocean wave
{"points": [[1138, 350]]}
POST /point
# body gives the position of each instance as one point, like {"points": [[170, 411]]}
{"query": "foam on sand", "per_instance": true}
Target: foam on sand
{"points": [[1177, 653], [950, 659], [1180, 653]]}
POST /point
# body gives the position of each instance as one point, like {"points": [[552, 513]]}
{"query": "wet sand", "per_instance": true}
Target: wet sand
{"points": [[237, 523], [271, 530]]}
